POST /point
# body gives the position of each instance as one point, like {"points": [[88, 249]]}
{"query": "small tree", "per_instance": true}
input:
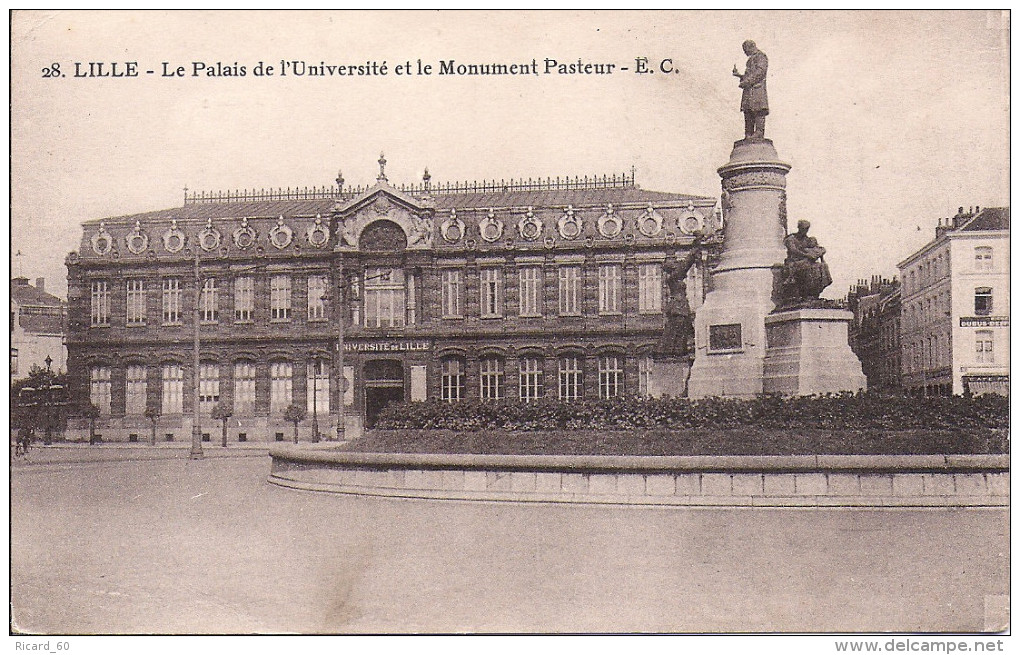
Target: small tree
{"points": [[295, 414], [221, 412], [152, 413], [91, 412]]}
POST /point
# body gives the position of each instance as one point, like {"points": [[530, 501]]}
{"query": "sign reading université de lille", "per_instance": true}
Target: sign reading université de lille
{"points": [[386, 346], [984, 321]]}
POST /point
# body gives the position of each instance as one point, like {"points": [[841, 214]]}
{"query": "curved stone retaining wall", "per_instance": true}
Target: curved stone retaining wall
{"points": [[769, 481]]}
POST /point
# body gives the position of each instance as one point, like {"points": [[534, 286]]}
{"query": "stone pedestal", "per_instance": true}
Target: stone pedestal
{"points": [[669, 377], [729, 328], [808, 353]]}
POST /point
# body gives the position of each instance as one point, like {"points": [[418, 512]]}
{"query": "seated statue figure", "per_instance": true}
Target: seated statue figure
{"points": [[805, 273], [679, 329]]}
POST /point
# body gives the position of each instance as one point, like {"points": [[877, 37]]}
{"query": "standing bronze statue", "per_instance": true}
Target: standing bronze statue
{"points": [[679, 329], [805, 273], [754, 102]]}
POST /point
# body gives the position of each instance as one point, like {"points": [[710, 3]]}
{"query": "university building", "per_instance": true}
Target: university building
{"points": [[522, 289], [954, 335]]}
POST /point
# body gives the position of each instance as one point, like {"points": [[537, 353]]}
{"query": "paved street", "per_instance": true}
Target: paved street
{"points": [[168, 545]]}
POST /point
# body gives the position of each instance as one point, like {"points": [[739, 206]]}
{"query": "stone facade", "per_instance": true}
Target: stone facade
{"points": [[519, 289]]}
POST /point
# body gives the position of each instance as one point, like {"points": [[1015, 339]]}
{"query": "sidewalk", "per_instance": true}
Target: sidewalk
{"points": [[65, 452]]}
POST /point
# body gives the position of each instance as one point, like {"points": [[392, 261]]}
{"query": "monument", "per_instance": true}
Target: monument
{"points": [[744, 346]]}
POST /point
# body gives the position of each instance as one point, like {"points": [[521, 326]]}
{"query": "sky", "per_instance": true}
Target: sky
{"points": [[890, 120]]}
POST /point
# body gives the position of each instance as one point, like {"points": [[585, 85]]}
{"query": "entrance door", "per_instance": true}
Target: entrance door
{"points": [[384, 384], [378, 397]]}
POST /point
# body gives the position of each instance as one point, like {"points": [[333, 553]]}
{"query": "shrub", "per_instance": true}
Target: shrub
{"points": [[846, 411]]}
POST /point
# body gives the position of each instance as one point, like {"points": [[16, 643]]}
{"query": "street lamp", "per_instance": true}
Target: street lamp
{"points": [[196, 417], [315, 399]]}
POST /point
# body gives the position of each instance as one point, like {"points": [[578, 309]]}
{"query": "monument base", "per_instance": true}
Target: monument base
{"points": [[808, 352], [670, 376]]}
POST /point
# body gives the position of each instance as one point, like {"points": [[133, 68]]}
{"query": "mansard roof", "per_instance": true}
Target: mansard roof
{"points": [[989, 218], [297, 202]]}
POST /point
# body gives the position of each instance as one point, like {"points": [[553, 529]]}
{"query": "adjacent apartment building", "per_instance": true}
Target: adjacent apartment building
{"points": [[520, 289], [37, 328], [954, 320], [875, 331]]}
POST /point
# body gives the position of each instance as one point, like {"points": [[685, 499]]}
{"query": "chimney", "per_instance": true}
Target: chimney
{"points": [[40, 283], [20, 281]]}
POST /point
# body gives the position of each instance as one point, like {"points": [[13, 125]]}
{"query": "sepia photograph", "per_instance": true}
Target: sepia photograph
{"points": [[510, 323]]}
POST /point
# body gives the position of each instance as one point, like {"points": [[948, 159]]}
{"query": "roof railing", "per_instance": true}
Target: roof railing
{"points": [[621, 181]]}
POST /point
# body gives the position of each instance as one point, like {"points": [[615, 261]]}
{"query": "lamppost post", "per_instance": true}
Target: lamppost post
{"points": [[48, 435], [196, 416], [315, 399], [341, 428]]}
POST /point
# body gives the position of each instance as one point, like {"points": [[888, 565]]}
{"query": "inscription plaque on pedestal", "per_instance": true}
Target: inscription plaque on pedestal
{"points": [[724, 337]]}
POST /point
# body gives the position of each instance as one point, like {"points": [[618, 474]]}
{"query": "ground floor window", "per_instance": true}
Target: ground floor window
{"points": [[318, 387], [280, 387], [173, 389], [571, 378], [491, 373], [99, 388], [531, 378], [453, 379], [645, 367], [610, 376]]}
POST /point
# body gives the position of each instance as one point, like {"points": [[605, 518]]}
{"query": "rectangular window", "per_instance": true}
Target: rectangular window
{"points": [[279, 298], [531, 379], [492, 292], [100, 302], [451, 293], [531, 290], [316, 293], [280, 385], [412, 299], [171, 301], [173, 389], [318, 387], [135, 302], [384, 297], [983, 258], [244, 388], [570, 285], [99, 388], [135, 390], [650, 288], [983, 301], [208, 387], [983, 341], [491, 378], [610, 376], [452, 379], [244, 299], [610, 282], [209, 303], [645, 367], [571, 378]]}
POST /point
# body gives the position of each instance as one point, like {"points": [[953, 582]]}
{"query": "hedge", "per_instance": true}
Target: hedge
{"points": [[848, 411]]}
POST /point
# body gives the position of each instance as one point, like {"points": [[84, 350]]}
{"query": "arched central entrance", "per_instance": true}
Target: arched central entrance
{"points": [[384, 383]]}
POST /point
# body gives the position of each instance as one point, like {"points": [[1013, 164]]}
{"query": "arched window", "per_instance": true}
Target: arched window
{"points": [[208, 387], [244, 387], [531, 382], [318, 386], [571, 377], [135, 390], [173, 389], [610, 376], [491, 376], [280, 386], [99, 388], [452, 379]]}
